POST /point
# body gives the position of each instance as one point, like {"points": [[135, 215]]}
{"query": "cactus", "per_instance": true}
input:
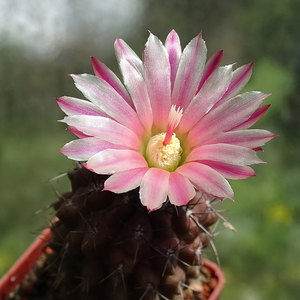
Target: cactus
{"points": [[110, 245], [152, 157]]}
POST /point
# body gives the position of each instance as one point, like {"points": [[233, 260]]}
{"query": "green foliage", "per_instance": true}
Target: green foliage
{"points": [[27, 163], [271, 77]]}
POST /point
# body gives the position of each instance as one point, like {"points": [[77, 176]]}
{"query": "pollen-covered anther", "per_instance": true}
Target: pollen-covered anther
{"points": [[163, 149]]}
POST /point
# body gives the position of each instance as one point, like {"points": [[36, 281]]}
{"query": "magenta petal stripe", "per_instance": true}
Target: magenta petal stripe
{"points": [[230, 171], [189, 72], [214, 87], [226, 116], [104, 73], [84, 148], [251, 138], [105, 129], [123, 50], [73, 106], [78, 133], [261, 110], [240, 77], [108, 100], [157, 76], [137, 87], [173, 48], [210, 68], [231, 154]]}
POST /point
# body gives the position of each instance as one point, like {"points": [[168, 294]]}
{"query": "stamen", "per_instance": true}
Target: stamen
{"points": [[166, 157], [174, 118]]}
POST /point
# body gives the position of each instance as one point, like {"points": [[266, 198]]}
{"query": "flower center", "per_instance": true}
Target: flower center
{"points": [[163, 150], [162, 156]]}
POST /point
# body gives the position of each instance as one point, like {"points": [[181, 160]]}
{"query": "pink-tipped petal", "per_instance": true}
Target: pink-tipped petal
{"points": [[210, 68], [73, 106], [261, 110], [125, 181], [206, 179], [154, 188], [104, 73], [108, 100], [157, 76], [111, 161], [181, 191], [239, 79], [105, 129], [226, 116], [230, 154], [137, 88], [78, 133], [210, 93], [123, 50], [230, 171], [84, 148], [189, 72], [250, 138], [173, 47]]}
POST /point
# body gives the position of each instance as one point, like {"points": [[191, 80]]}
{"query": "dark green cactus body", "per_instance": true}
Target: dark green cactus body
{"points": [[107, 246]]}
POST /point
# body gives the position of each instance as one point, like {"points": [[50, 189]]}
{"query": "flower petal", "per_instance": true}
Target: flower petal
{"points": [[226, 153], [239, 79], [123, 50], [230, 171], [108, 100], [104, 129], [104, 73], [181, 191], [78, 133], [206, 179], [125, 181], [173, 47], [250, 138], [210, 68], [210, 93], [137, 88], [261, 110], [226, 116], [74, 106], [157, 76], [189, 72], [84, 148], [154, 188], [111, 161]]}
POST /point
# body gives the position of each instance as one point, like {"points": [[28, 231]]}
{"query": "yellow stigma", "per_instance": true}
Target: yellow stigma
{"points": [[166, 157]]}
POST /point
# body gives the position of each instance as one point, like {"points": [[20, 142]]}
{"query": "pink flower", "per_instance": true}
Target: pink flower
{"points": [[176, 125]]}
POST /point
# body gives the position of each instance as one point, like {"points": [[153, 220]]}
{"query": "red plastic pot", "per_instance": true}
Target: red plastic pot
{"points": [[25, 263]]}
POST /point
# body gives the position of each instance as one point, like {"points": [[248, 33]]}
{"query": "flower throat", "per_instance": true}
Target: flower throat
{"points": [[163, 150]]}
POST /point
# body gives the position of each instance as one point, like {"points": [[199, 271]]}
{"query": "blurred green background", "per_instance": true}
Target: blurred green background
{"points": [[41, 42]]}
